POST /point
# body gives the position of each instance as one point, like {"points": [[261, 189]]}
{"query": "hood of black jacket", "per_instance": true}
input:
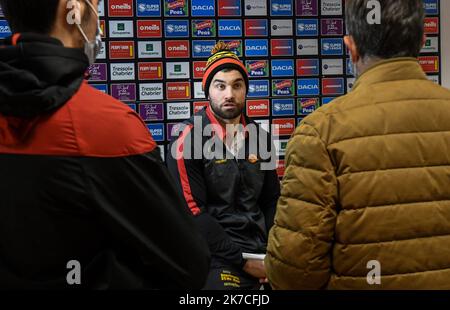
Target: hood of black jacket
{"points": [[38, 74]]}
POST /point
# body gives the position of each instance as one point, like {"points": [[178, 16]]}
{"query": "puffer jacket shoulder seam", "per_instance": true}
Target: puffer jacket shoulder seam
{"points": [[393, 205], [396, 168], [389, 134], [392, 241]]}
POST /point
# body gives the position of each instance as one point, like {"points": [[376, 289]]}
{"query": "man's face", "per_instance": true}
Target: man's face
{"points": [[89, 19], [227, 94]]}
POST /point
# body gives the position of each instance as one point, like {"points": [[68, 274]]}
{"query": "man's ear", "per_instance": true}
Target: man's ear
{"points": [[351, 45]]}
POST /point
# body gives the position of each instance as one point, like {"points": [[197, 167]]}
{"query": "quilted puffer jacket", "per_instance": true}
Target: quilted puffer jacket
{"points": [[367, 189]]}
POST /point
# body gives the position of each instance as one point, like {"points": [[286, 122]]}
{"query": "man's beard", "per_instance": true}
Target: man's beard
{"points": [[227, 114]]}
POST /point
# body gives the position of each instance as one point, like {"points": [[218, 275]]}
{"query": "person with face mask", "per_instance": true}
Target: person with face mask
{"points": [[92, 47], [85, 199]]}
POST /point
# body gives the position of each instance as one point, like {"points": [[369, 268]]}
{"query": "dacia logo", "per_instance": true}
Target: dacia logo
{"points": [[202, 8]]}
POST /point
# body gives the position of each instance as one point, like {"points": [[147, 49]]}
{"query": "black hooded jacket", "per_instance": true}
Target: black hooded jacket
{"points": [[232, 197], [82, 180]]}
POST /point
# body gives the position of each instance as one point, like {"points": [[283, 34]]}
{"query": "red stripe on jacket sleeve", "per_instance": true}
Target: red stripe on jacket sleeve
{"points": [[186, 186]]}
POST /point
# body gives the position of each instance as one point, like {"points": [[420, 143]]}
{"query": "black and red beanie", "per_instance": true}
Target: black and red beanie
{"points": [[222, 58]]}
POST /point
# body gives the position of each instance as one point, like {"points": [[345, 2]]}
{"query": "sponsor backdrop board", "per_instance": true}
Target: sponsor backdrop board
{"points": [[154, 54]]}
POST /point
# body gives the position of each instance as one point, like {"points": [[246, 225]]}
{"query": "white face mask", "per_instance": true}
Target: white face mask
{"points": [[92, 48]]}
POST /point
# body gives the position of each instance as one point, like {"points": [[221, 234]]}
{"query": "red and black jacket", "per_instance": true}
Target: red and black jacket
{"points": [[82, 179], [233, 200]]}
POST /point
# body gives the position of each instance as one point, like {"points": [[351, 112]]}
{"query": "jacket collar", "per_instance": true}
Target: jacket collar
{"points": [[395, 69]]}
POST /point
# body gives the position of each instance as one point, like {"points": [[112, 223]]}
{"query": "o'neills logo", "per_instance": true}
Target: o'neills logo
{"points": [[180, 48], [199, 69], [149, 28], [124, 6], [120, 8], [177, 49], [257, 108], [283, 127], [431, 25]]}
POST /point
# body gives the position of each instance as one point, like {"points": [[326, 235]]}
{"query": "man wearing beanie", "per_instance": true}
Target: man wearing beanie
{"points": [[228, 189]]}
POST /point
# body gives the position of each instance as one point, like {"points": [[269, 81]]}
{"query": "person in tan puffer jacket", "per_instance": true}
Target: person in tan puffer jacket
{"points": [[365, 200]]}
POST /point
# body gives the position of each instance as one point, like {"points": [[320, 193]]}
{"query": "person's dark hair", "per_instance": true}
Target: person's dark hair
{"points": [[30, 15], [398, 35]]}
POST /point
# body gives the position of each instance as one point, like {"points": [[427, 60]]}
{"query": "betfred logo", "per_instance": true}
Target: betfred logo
{"points": [[256, 28], [120, 8], [332, 86], [177, 49], [178, 90], [307, 67], [431, 25], [283, 126], [150, 71], [229, 7], [200, 105], [258, 108], [199, 68], [282, 47], [430, 64], [149, 28], [121, 50]]}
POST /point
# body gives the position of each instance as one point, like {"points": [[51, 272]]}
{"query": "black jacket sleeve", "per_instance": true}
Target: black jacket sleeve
{"points": [[269, 197], [188, 173], [138, 203]]}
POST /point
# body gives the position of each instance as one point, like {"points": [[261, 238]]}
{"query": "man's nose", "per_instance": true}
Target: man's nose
{"points": [[229, 93]]}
